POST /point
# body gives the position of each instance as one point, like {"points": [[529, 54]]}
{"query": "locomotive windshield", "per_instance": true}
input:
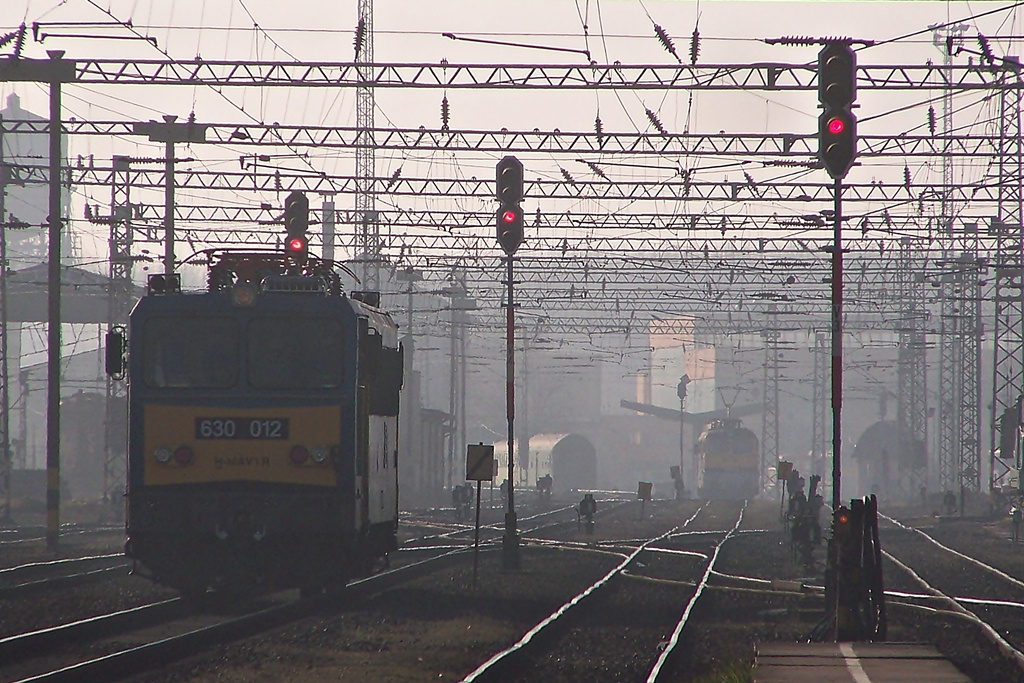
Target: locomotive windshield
{"points": [[294, 353], [190, 353]]}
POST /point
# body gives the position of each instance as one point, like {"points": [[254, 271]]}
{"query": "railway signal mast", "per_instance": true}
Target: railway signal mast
{"points": [[509, 227], [837, 149]]}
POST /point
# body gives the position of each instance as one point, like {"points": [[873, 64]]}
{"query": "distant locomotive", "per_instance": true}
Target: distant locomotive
{"points": [[570, 460], [263, 428], [729, 462]]}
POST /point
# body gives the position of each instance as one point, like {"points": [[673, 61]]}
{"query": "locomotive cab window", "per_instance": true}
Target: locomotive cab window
{"points": [[303, 353], [190, 353]]}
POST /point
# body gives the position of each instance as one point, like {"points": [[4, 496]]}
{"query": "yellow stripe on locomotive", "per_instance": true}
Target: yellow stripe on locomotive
{"points": [[195, 445]]}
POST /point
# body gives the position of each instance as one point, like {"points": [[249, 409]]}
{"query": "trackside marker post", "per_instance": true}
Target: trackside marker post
{"points": [[479, 468]]}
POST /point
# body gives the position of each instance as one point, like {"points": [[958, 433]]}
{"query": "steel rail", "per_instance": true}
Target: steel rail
{"points": [[1012, 653], [55, 563], [17, 647], [976, 562], [169, 649], [503, 659], [660, 665], [7, 591]]}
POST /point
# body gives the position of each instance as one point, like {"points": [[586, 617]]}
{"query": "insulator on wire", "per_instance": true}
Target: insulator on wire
{"points": [[749, 179], [536, 218], [7, 38], [446, 113], [599, 129], [19, 41], [931, 120], [864, 227], [685, 174], [394, 177], [906, 177], [567, 176], [596, 169], [666, 42], [277, 180], [656, 122], [88, 212], [793, 40], [694, 46], [360, 36], [986, 49]]}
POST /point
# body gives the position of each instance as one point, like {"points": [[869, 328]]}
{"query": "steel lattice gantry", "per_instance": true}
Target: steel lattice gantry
{"points": [[912, 367], [1008, 278], [118, 305], [959, 372], [365, 196], [821, 417], [590, 77]]}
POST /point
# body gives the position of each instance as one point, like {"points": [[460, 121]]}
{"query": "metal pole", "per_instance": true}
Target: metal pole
{"points": [[837, 344], [837, 390], [169, 200], [510, 542], [53, 319], [452, 394], [476, 533], [5, 394]]}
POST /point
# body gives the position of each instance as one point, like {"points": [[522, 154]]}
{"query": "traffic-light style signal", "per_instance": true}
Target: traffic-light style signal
{"points": [[296, 222], [1009, 426], [837, 125], [510, 228], [296, 214], [509, 192], [509, 175]]}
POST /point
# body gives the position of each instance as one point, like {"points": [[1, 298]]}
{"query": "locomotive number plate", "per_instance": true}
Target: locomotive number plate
{"points": [[241, 428]]}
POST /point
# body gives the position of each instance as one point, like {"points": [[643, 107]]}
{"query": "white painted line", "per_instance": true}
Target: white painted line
{"points": [[853, 663]]}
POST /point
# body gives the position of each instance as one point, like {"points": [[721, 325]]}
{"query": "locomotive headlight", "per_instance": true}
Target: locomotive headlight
{"points": [[320, 454], [163, 454]]}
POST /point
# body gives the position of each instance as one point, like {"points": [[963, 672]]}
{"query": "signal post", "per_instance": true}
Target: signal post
{"points": [[509, 226], [837, 149]]}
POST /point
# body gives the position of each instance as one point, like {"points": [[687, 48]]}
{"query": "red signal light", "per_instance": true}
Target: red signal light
{"points": [[509, 216], [836, 126], [296, 244], [843, 518]]}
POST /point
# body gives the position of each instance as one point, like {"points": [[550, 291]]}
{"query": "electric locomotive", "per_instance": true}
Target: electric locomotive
{"points": [[729, 461], [263, 427]]}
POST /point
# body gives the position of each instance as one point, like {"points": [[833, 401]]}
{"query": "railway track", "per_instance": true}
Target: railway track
{"points": [[23, 535], [59, 573], [152, 635], [962, 588], [569, 643]]}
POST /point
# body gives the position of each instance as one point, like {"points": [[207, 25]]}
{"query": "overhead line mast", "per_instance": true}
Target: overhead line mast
{"points": [[369, 226]]}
